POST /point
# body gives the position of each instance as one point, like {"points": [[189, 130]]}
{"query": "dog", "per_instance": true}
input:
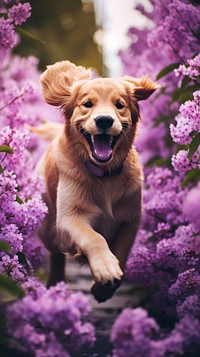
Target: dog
{"points": [[92, 173]]}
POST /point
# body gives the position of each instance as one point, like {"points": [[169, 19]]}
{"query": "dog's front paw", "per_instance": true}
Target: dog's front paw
{"points": [[107, 275], [103, 292], [105, 268]]}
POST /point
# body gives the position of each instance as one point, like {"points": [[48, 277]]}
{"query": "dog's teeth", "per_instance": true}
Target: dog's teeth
{"points": [[111, 139], [92, 138]]}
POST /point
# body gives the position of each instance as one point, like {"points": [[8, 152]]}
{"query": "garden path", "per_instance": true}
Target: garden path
{"points": [[104, 314]]}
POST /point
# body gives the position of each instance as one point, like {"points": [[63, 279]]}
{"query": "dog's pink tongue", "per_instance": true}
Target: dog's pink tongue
{"points": [[102, 147]]}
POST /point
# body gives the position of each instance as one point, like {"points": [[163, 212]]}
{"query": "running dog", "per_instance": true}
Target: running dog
{"points": [[92, 172]]}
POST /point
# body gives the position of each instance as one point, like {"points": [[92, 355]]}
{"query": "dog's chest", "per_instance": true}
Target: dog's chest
{"points": [[106, 199]]}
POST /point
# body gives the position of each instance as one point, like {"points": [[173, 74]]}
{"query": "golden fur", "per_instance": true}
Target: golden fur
{"points": [[89, 216]]}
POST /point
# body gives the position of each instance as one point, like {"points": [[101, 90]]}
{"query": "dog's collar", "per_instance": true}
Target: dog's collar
{"points": [[99, 172]]}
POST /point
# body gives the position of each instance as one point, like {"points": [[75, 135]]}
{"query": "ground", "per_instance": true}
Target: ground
{"points": [[104, 314]]}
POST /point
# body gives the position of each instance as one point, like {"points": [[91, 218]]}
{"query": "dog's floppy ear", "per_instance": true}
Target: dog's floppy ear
{"points": [[142, 87], [57, 80]]}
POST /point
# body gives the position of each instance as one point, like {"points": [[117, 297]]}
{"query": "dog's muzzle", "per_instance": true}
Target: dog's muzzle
{"points": [[102, 144]]}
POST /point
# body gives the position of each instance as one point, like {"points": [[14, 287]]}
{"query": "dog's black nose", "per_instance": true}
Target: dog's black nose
{"points": [[104, 121]]}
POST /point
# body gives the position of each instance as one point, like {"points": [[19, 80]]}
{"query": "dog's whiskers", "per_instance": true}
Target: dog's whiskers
{"points": [[78, 126], [124, 127]]}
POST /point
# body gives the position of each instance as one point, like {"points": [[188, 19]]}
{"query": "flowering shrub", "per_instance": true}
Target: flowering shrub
{"points": [[21, 205], [15, 15], [164, 261], [187, 126], [44, 322], [136, 333], [51, 322]]}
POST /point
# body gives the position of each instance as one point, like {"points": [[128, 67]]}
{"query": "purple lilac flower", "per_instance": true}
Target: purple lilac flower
{"points": [[134, 332], [182, 19], [192, 70], [188, 329], [131, 334], [188, 121], [181, 162], [187, 282], [7, 34], [10, 234], [10, 266], [190, 306], [19, 13], [51, 322]]}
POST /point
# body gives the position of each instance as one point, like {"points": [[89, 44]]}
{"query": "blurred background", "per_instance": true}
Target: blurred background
{"points": [[86, 32]]}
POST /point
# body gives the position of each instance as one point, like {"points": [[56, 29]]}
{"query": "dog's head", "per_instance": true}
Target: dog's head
{"points": [[101, 114]]}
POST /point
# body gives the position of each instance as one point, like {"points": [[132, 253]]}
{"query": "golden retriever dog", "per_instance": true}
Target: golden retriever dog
{"points": [[92, 173]]}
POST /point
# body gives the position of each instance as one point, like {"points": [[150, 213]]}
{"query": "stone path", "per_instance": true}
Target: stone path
{"points": [[104, 314]]}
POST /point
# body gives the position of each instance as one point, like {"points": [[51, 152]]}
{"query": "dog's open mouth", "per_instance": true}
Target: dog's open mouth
{"points": [[101, 145]]}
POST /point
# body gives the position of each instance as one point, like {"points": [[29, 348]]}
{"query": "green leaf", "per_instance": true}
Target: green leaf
{"points": [[184, 93], [185, 81], [187, 93], [4, 246], [194, 145], [19, 200], [7, 149], [10, 289], [175, 94], [1, 169], [29, 35], [22, 260], [157, 160], [191, 176], [167, 70]]}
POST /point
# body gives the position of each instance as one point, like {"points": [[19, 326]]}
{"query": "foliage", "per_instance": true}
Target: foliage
{"points": [[164, 260]]}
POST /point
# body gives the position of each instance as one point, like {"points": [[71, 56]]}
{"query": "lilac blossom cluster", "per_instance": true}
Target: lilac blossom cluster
{"points": [[45, 322], [14, 14], [135, 333], [171, 21], [21, 207], [50, 322], [164, 261], [187, 121], [191, 70]]}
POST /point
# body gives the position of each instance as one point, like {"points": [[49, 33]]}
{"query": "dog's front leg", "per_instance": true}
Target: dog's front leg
{"points": [[76, 235]]}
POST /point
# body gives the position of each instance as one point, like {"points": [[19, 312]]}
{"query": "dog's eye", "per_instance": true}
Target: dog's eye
{"points": [[88, 104], [119, 105]]}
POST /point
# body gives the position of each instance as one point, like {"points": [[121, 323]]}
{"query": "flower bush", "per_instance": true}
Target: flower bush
{"points": [[51, 322], [43, 322], [164, 261]]}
